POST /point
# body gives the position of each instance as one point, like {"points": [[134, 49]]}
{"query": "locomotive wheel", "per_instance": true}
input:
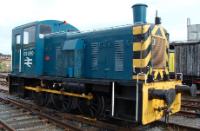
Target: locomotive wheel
{"points": [[40, 98], [54, 101], [92, 108], [59, 102], [66, 103]]}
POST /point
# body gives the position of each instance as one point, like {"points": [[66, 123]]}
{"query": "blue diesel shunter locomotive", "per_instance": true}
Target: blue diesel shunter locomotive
{"points": [[120, 72]]}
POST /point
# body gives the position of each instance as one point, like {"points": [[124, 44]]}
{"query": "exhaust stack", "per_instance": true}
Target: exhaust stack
{"points": [[139, 13]]}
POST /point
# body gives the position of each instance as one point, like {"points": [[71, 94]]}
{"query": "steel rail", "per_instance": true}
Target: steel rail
{"points": [[65, 116], [189, 113], [5, 126], [191, 107], [73, 117], [42, 115], [178, 126], [191, 100]]}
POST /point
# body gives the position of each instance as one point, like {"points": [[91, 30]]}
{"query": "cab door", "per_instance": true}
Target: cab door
{"points": [[28, 45], [16, 51]]}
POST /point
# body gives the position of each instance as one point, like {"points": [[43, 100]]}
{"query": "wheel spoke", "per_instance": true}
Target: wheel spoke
{"points": [[93, 108], [66, 103]]}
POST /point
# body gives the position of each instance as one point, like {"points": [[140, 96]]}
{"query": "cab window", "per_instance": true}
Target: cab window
{"points": [[29, 35], [17, 39], [45, 29]]}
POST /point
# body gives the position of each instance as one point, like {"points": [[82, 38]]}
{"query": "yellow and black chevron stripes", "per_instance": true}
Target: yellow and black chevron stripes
{"points": [[142, 47], [154, 30], [143, 44], [141, 63], [163, 31], [157, 73], [138, 47], [141, 50], [145, 70], [141, 29], [142, 53]]}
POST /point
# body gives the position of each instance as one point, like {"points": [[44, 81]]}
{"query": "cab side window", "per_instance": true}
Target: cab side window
{"points": [[45, 29], [17, 39], [29, 35]]}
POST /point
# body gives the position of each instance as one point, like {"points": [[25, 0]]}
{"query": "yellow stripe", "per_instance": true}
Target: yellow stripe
{"points": [[158, 71], [155, 74], [39, 89], [166, 71], [164, 36], [142, 29], [138, 46], [150, 71], [154, 29], [171, 62], [161, 73], [141, 63], [140, 77], [163, 33]]}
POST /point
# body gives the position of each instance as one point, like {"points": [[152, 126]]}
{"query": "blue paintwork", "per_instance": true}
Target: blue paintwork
{"points": [[71, 53], [65, 56], [35, 51], [70, 72], [139, 13], [106, 40], [103, 54], [72, 44]]}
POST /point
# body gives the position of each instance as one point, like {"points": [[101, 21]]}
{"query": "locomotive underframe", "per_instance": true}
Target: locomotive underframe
{"points": [[84, 87], [127, 101]]}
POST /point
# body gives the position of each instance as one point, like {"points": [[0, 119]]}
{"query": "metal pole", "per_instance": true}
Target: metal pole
{"points": [[113, 98]]}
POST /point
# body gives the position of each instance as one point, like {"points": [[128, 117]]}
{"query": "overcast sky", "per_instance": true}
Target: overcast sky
{"points": [[95, 14]]}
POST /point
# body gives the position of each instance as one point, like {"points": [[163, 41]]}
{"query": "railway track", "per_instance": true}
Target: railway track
{"points": [[63, 121], [16, 116], [177, 126], [190, 107]]}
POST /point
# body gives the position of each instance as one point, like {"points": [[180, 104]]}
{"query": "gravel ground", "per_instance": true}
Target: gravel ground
{"points": [[3, 87], [159, 128], [194, 122]]}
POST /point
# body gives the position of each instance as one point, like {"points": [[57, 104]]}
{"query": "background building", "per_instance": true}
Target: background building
{"points": [[193, 31]]}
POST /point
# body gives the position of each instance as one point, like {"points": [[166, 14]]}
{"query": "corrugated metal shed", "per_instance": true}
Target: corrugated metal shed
{"points": [[187, 58]]}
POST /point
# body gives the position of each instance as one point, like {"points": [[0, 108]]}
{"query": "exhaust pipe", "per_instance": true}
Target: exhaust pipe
{"points": [[139, 13]]}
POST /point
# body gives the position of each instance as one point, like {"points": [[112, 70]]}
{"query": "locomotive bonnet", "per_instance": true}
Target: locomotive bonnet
{"points": [[120, 72]]}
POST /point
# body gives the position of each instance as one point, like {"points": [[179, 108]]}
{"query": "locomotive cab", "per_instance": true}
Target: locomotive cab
{"points": [[28, 46]]}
